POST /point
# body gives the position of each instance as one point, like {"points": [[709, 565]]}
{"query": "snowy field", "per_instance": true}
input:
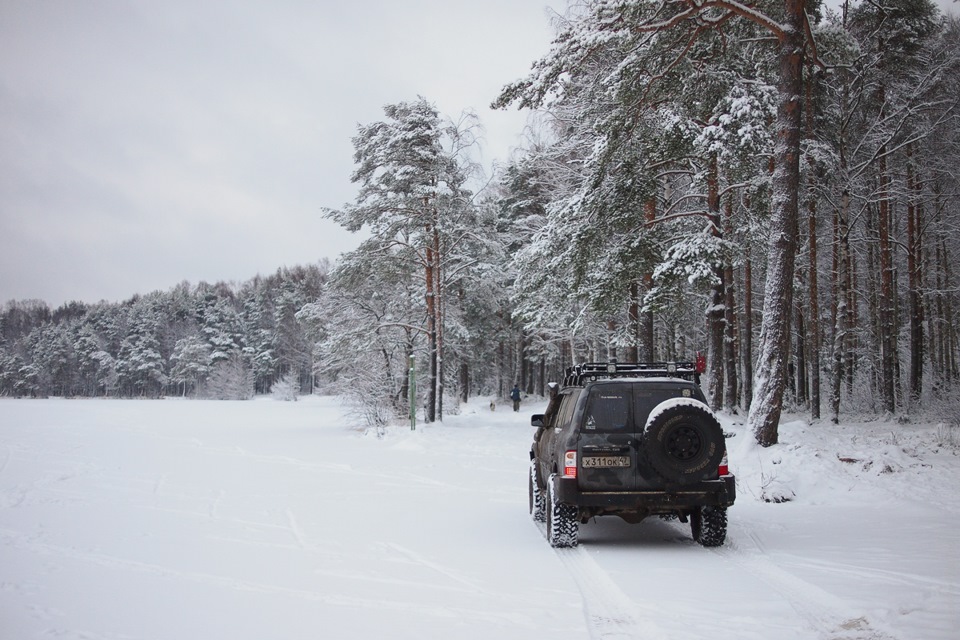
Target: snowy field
{"points": [[181, 520]]}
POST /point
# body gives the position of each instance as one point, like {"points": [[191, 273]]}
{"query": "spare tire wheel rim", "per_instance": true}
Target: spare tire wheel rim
{"points": [[684, 442]]}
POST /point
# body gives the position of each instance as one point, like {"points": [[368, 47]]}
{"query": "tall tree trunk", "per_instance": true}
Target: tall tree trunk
{"points": [[798, 368], [931, 282], [841, 266], [464, 361], [747, 342], [886, 316], [519, 366], [774, 345], [542, 390], [633, 317], [874, 306], [715, 313], [914, 278], [838, 316], [851, 338], [813, 322], [501, 364], [942, 322], [438, 323], [951, 371], [611, 335], [730, 340], [431, 408], [641, 323], [464, 381], [647, 350]]}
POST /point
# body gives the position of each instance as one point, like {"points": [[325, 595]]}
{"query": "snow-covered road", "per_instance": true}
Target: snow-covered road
{"points": [[190, 519]]}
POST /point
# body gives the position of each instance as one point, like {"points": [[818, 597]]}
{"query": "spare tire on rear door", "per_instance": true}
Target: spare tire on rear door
{"points": [[683, 441]]}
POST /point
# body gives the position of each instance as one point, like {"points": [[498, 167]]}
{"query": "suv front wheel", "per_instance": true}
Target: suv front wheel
{"points": [[562, 527], [538, 508]]}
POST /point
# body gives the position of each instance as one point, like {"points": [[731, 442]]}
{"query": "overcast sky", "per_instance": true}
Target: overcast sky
{"points": [[147, 142]]}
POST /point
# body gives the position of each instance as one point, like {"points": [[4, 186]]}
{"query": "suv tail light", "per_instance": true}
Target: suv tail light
{"points": [[570, 464], [701, 363], [723, 469]]}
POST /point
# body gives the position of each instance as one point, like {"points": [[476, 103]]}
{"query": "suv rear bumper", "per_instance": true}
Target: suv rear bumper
{"points": [[714, 493]]}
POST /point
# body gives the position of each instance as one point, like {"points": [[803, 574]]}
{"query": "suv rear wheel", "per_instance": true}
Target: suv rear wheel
{"points": [[709, 525]]}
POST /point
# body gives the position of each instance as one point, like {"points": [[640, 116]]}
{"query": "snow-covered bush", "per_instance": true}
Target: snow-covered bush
{"points": [[948, 436], [232, 379], [286, 388], [946, 407]]}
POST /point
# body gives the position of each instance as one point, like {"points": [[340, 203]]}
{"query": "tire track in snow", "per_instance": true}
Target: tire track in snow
{"points": [[472, 615], [297, 532], [900, 578], [6, 459], [610, 614], [828, 615], [416, 558], [214, 508]]}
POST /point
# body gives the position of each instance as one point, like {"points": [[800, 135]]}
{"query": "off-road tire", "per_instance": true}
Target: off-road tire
{"points": [[538, 505], [563, 530], [684, 443], [709, 526]]}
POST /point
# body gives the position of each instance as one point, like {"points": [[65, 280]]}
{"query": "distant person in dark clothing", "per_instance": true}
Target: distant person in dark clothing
{"points": [[515, 396]]}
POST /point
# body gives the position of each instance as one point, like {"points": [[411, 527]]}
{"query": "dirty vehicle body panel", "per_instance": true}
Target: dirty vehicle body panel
{"points": [[633, 440]]}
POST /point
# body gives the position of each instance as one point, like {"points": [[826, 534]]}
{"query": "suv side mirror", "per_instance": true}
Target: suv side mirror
{"points": [[536, 420]]}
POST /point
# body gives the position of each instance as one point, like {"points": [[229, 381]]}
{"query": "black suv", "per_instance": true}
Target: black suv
{"points": [[632, 440]]}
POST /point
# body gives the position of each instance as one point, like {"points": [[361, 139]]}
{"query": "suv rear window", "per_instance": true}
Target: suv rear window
{"points": [[608, 409], [649, 396]]}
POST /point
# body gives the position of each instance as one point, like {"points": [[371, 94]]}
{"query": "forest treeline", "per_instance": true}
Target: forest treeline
{"points": [[223, 341], [772, 183]]}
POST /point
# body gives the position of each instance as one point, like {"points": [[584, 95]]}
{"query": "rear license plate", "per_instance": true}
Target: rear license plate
{"points": [[606, 461]]}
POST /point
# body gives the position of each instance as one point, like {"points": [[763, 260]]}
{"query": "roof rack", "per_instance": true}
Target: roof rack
{"points": [[577, 375]]}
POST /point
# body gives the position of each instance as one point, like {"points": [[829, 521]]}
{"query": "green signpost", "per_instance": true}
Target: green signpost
{"points": [[413, 394]]}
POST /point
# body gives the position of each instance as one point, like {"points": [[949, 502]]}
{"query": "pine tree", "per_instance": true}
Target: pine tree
{"points": [[411, 194]]}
